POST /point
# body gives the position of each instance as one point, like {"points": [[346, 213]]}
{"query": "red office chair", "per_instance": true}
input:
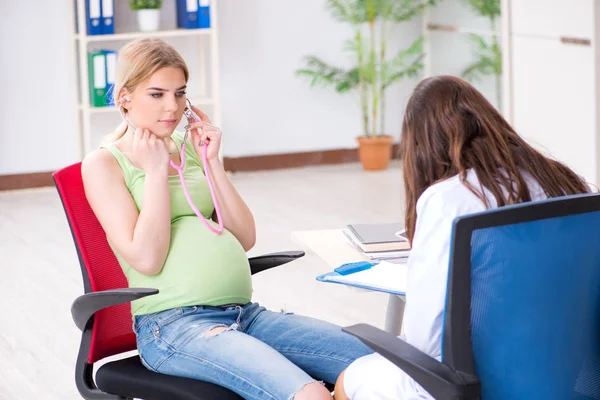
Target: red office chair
{"points": [[104, 316]]}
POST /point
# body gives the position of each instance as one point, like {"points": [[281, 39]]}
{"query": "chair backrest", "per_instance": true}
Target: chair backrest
{"points": [[112, 327], [530, 275]]}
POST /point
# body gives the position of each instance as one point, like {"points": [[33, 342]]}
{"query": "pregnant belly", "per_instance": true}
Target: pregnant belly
{"points": [[200, 260]]}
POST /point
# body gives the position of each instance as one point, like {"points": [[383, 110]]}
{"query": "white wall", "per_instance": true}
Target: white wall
{"points": [[266, 109], [37, 125]]}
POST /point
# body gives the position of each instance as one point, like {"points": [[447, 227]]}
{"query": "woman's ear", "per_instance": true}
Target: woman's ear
{"points": [[124, 100]]}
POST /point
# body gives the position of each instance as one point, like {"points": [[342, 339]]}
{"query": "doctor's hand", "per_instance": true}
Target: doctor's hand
{"points": [[203, 131], [149, 152]]}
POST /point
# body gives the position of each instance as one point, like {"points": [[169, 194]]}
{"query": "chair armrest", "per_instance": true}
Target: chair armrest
{"points": [[267, 261], [435, 377], [84, 307]]}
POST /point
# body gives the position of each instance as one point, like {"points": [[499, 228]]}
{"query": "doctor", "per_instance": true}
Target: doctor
{"points": [[459, 157]]}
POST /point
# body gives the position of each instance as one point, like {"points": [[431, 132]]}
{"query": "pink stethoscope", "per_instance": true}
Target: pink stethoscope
{"points": [[192, 117]]}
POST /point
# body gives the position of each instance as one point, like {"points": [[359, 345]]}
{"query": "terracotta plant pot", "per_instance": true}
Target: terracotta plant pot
{"points": [[375, 152]]}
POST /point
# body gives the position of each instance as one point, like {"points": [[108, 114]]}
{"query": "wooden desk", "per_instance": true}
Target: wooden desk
{"points": [[331, 247]]}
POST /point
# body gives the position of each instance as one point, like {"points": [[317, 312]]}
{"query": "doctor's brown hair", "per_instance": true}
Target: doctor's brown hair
{"points": [[449, 128]]}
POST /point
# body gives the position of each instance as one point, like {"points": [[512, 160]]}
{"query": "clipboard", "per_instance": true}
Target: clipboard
{"points": [[383, 272]]}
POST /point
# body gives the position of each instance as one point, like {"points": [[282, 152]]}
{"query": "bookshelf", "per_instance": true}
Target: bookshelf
{"points": [[198, 47], [136, 35]]}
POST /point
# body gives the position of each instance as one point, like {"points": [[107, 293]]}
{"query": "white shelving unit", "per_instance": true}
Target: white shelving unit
{"points": [[207, 66]]}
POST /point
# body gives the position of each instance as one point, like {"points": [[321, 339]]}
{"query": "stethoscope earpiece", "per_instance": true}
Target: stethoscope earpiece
{"points": [[124, 116]]}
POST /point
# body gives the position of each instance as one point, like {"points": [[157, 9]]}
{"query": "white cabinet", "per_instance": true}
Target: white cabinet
{"points": [[552, 18], [552, 81], [553, 100]]}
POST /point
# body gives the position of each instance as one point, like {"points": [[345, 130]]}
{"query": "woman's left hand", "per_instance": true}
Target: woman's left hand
{"points": [[204, 132]]}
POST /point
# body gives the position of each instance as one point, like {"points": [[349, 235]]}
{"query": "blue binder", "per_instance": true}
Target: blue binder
{"points": [[204, 14], [93, 9], [187, 14], [111, 66], [108, 17]]}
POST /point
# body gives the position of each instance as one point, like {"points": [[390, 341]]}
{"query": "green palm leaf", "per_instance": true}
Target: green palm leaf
{"points": [[485, 8], [341, 10], [374, 70], [405, 10], [488, 62], [323, 74]]}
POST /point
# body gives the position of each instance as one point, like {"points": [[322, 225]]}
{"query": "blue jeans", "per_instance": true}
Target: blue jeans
{"points": [[261, 354]]}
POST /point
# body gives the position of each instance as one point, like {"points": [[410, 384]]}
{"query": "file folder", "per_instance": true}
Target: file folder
{"points": [[111, 67], [204, 14], [187, 14], [97, 78], [108, 22], [94, 15]]}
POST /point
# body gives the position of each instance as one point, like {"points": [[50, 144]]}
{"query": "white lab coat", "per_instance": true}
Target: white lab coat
{"points": [[375, 378]]}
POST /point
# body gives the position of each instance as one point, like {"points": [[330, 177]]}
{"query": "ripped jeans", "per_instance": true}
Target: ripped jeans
{"points": [[261, 354]]}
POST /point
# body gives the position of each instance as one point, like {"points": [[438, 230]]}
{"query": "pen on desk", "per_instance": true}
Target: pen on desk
{"points": [[351, 268]]}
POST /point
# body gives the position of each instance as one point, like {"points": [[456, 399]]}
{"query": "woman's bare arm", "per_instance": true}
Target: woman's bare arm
{"points": [[142, 239]]}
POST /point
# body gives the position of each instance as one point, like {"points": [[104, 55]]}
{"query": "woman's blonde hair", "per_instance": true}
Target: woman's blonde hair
{"points": [[137, 61]]}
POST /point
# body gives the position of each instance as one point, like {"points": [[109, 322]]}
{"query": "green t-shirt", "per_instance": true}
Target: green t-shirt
{"points": [[201, 268]]}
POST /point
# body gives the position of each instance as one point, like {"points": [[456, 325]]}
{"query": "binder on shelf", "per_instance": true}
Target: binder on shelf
{"points": [[108, 20], [111, 67], [204, 14], [187, 14], [97, 78], [93, 9]]}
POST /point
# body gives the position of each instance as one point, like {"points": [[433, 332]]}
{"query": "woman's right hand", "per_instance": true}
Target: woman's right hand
{"points": [[149, 152]]}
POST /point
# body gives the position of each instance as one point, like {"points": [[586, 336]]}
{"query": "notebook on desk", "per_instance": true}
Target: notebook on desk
{"points": [[384, 277], [377, 237]]}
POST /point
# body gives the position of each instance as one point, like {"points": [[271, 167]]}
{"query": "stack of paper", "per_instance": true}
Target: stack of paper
{"points": [[378, 241]]}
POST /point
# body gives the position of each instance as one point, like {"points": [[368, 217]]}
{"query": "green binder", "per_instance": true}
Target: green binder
{"points": [[97, 78]]}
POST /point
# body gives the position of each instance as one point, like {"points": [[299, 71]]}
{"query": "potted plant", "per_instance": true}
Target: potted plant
{"points": [[488, 55], [374, 71], [148, 13]]}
